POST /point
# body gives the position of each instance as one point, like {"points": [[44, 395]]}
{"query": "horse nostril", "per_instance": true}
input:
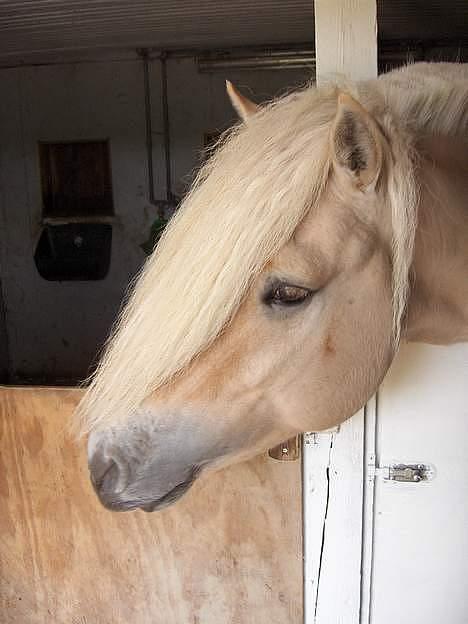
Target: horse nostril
{"points": [[109, 476], [110, 479]]}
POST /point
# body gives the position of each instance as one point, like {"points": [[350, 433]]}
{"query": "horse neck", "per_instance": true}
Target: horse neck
{"points": [[438, 304]]}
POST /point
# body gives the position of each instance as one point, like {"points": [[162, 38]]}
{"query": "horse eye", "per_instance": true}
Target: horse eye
{"points": [[287, 295]]}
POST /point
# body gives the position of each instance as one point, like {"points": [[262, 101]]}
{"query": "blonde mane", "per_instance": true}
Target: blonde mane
{"points": [[243, 207]]}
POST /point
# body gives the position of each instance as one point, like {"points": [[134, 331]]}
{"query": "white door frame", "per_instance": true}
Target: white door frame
{"points": [[337, 465]]}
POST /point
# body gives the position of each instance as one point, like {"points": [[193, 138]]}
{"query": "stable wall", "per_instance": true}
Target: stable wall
{"points": [[229, 551], [54, 329]]}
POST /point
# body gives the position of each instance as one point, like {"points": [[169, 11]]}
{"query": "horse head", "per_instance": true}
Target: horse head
{"points": [[271, 306]]}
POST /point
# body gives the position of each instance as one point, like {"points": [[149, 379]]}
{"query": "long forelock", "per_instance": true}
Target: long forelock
{"points": [[243, 207]]}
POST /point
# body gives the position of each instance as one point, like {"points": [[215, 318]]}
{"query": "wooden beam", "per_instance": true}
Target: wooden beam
{"points": [[346, 38], [334, 494]]}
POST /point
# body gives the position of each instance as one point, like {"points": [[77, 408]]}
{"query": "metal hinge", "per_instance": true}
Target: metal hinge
{"points": [[405, 473], [286, 451], [313, 437], [290, 450]]}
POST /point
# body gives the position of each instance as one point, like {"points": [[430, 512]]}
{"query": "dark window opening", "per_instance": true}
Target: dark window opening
{"points": [[76, 179], [76, 241]]}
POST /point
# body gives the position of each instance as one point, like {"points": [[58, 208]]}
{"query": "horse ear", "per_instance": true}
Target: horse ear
{"points": [[356, 142], [244, 107]]}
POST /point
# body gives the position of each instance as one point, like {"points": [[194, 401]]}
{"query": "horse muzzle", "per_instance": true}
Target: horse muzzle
{"points": [[149, 463], [120, 487]]}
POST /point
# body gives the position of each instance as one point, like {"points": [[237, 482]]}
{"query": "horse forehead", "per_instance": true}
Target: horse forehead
{"points": [[316, 236], [321, 238], [299, 258]]}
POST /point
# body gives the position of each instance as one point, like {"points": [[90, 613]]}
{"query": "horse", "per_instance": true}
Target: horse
{"points": [[327, 227]]}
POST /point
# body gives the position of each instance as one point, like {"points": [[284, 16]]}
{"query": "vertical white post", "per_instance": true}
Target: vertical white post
{"points": [[334, 462], [346, 38]]}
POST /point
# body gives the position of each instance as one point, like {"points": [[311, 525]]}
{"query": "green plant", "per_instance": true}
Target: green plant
{"points": [[157, 228]]}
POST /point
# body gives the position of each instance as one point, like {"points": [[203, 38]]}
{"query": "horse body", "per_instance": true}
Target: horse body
{"points": [[437, 308], [327, 227]]}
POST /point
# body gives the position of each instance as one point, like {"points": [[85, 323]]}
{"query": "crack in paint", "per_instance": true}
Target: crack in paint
{"points": [[322, 546]]}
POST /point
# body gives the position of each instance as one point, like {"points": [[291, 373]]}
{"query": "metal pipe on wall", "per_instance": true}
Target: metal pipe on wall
{"points": [[270, 59], [166, 128], [390, 55], [148, 125], [169, 201]]}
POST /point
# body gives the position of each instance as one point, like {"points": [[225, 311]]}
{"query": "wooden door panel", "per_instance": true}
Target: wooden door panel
{"points": [[229, 552]]}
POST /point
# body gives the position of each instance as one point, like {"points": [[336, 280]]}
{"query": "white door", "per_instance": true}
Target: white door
{"points": [[420, 554], [383, 551]]}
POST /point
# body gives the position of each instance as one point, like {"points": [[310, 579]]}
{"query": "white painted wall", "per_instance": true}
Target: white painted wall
{"points": [[54, 329]]}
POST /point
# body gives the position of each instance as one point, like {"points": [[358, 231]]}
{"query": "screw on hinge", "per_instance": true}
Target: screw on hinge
{"points": [[286, 451]]}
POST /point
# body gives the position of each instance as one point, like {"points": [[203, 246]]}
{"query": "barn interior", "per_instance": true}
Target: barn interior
{"points": [[107, 109]]}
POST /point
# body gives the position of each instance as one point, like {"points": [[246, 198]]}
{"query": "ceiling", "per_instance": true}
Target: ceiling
{"points": [[31, 29]]}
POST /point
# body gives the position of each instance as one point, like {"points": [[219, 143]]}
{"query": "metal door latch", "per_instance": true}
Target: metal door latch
{"points": [[286, 451], [407, 473]]}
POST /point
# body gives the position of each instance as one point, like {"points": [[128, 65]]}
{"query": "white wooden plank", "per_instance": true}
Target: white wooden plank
{"points": [[346, 38], [346, 43], [316, 458], [370, 431], [339, 575]]}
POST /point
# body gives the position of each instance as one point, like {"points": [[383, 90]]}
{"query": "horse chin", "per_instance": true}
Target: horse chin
{"points": [[169, 498]]}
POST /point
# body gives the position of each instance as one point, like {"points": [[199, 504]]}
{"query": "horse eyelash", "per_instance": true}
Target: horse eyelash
{"points": [[269, 296]]}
